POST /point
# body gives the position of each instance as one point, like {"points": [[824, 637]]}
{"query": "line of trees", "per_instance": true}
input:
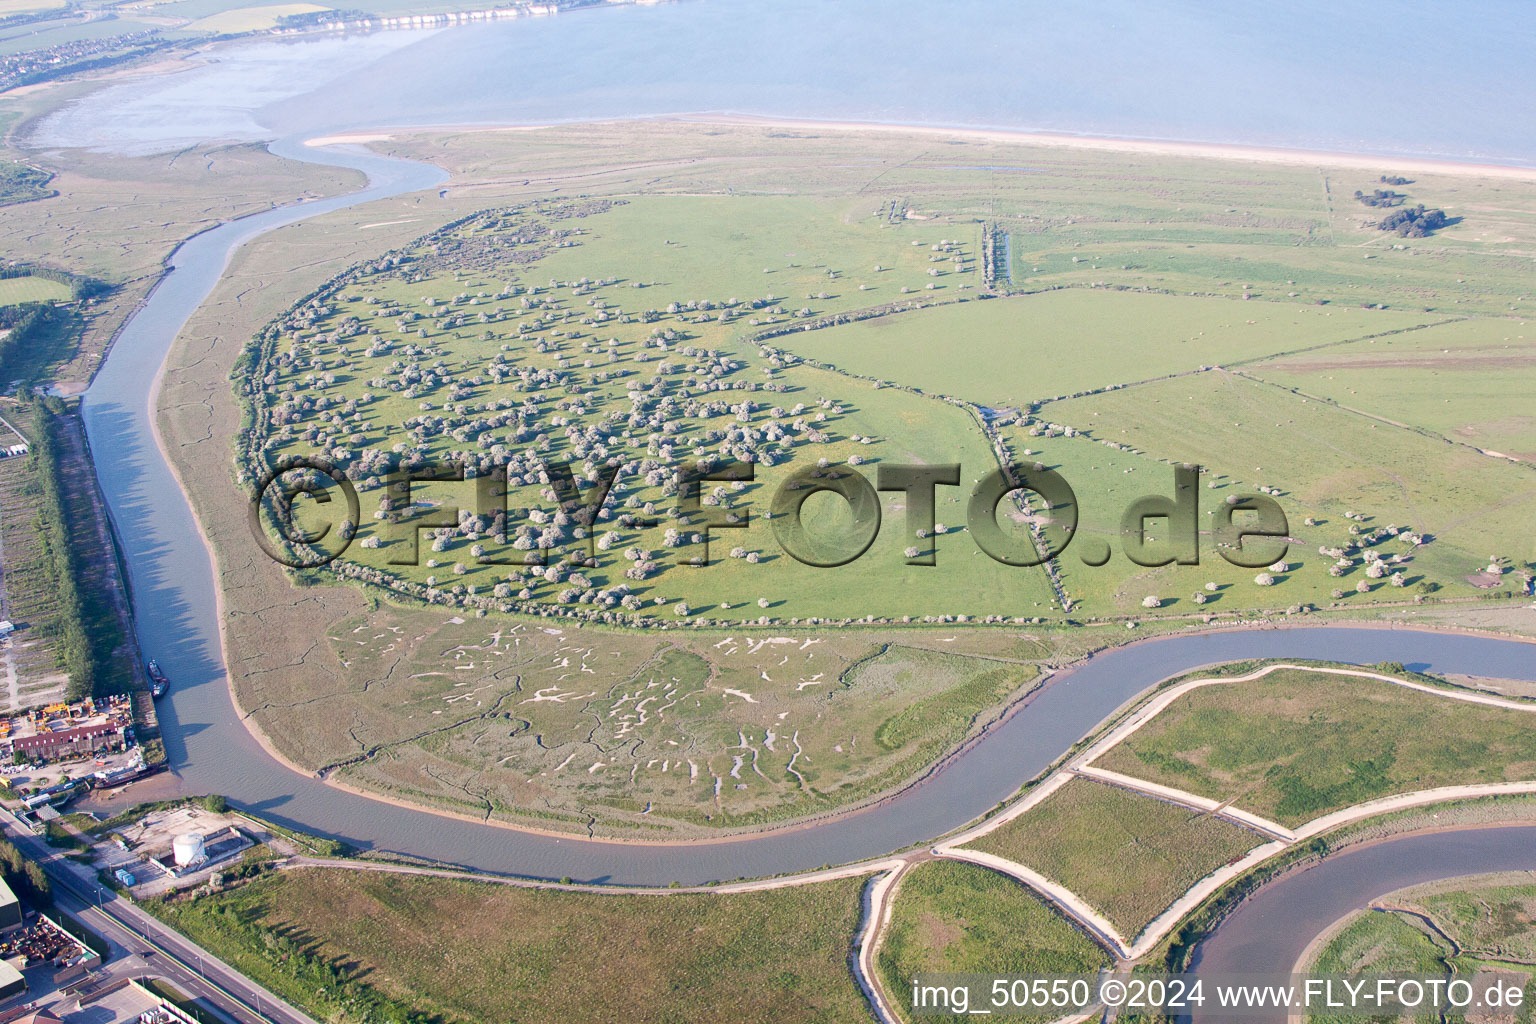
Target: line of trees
{"points": [[24, 877], [52, 524]]}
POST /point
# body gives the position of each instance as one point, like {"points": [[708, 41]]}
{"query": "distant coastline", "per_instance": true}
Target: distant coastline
{"points": [[1104, 143]]}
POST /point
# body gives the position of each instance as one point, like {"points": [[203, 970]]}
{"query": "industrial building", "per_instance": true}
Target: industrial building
{"points": [[10, 908], [12, 983], [87, 739], [68, 730]]}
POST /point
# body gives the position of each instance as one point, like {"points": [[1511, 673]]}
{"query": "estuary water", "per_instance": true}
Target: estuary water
{"points": [[1413, 78]]}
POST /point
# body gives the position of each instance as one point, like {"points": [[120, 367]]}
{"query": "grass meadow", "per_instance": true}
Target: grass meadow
{"points": [[1326, 463], [1380, 943], [1469, 382], [470, 952], [621, 373], [1491, 916], [951, 917], [1295, 745], [1008, 353], [1129, 856], [14, 290]]}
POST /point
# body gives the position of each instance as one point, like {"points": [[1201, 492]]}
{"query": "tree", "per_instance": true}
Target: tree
{"points": [[37, 882]]}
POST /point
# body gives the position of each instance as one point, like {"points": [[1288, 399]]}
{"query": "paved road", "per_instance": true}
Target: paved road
{"points": [[138, 940]]}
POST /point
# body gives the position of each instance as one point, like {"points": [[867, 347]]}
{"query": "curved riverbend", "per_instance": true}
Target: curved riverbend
{"points": [[209, 746], [1270, 929]]}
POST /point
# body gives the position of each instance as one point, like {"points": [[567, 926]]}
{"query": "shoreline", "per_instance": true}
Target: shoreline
{"points": [[1240, 152]]}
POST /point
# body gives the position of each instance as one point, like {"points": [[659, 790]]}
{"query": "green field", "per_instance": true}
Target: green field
{"points": [[527, 336], [1106, 480], [1014, 352], [1294, 745], [10, 7], [249, 19], [951, 917], [1469, 382], [1128, 856], [14, 290], [1325, 462], [356, 945]]}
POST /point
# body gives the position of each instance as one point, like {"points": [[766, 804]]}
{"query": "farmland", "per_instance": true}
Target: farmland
{"points": [[1129, 856], [456, 949], [249, 19], [1294, 745], [833, 325], [1026, 349], [951, 917], [9, 7], [1469, 382], [31, 289], [1327, 464]]}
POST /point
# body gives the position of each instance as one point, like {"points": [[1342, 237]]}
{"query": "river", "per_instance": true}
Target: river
{"points": [[1269, 930]]}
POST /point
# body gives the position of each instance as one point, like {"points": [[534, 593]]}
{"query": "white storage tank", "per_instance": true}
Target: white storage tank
{"points": [[188, 849]]}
